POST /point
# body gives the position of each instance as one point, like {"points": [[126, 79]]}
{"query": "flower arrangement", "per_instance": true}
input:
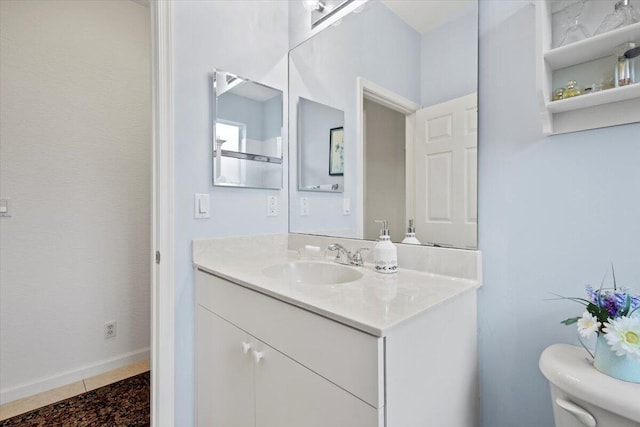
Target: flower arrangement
{"points": [[614, 313]]}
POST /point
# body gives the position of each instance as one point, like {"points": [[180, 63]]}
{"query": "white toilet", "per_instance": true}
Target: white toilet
{"points": [[582, 396]]}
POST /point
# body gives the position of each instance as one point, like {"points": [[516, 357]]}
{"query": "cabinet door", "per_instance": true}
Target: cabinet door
{"points": [[290, 395], [224, 373]]}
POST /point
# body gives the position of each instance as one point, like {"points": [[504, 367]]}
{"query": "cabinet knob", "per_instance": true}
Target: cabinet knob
{"points": [[257, 356], [246, 346]]}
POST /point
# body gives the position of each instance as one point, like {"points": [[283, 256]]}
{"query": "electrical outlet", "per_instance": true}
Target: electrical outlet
{"points": [[110, 329], [304, 206], [272, 205]]}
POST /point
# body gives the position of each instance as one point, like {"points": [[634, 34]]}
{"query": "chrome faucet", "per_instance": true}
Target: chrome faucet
{"points": [[345, 257]]}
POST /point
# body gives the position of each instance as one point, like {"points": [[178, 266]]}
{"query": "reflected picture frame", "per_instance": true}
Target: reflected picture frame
{"points": [[336, 151]]}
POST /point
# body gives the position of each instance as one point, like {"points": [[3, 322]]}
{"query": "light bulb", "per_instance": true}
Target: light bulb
{"points": [[313, 5]]}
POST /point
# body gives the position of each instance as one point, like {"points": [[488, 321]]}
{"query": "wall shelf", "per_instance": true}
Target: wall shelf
{"points": [[592, 48], [595, 99], [600, 109]]}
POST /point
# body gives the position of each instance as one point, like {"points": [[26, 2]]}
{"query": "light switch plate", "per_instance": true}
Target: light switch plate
{"points": [[201, 206], [346, 206], [5, 209], [304, 206], [272, 205]]}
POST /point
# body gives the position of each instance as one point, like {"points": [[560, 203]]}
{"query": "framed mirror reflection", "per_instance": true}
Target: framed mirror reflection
{"points": [[247, 132], [404, 75]]}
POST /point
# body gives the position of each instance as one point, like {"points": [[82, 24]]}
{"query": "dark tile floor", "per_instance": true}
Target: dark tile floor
{"points": [[124, 403]]}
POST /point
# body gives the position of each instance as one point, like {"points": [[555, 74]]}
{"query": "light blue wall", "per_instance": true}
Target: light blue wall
{"points": [[248, 38], [263, 119], [242, 110], [273, 117], [316, 120], [450, 57], [553, 212]]}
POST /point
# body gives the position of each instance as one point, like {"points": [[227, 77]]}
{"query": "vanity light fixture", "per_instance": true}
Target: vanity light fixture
{"points": [[313, 5]]}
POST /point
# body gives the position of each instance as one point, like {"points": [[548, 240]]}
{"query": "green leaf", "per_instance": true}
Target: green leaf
{"points": [[571, 320], [601, 314], [627, 306], [578, 300], [614, 277]]}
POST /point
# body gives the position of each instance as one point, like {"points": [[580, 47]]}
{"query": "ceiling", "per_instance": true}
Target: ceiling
{"points": [[425, 15]]}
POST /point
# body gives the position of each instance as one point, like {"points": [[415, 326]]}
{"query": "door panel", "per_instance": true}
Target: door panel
{"points": [[224, 381], [446, 173], [290, 395]]}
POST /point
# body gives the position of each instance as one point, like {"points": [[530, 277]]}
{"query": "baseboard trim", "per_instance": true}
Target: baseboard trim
{"points": [[67, 377]]}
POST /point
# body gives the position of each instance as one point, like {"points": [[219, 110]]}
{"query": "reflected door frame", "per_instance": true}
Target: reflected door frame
{"points": [[380, 95]]}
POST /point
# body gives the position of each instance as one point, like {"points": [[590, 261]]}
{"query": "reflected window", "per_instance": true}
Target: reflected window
{"points": [[232, 134]]}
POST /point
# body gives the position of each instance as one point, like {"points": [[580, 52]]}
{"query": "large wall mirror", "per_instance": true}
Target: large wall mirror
{"points": [[404, 76], [247, 132]]}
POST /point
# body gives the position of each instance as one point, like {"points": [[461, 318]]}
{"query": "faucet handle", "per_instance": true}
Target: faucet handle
{"points": [[357, 256]]}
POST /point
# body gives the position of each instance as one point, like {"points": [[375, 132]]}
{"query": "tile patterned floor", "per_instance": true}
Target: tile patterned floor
{"points": [[123, 403], [27, 404]]}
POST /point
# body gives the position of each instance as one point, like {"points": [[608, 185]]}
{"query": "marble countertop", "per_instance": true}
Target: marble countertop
{"points": [[374, 304]]}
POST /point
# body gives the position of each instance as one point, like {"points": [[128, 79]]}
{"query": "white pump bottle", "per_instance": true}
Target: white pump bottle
{"points": [[385, 253]]}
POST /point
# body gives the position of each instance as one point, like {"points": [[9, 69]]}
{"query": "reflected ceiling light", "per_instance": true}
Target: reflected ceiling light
{"points": [[313, 5]]}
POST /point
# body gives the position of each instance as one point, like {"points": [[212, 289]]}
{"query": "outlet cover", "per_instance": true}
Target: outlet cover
{"points": [[272, 205], [304, 206], [110, 329]]}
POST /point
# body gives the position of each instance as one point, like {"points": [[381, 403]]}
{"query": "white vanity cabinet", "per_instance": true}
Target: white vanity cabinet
{"points": [[264, 362], [261, 362]]}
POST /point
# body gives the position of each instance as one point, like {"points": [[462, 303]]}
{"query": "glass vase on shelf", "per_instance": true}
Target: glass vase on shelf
{"points": [[575, 30], [624, 14]]}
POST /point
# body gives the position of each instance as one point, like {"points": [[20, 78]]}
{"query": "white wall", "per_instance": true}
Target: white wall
{"points": [[75, 161], [553, 212], [248, 38]]}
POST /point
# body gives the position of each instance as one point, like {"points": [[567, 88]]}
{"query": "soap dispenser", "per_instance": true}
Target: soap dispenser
{"points": [[385, 253], [410, 238]]}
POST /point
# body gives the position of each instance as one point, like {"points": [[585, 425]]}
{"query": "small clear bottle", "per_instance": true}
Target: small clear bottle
{"points": [[633, 56], [558, 94], [623, 70], [571, 90]]}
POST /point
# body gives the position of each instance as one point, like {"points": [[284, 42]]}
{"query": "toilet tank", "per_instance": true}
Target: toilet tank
{"points": [[582, 396]]}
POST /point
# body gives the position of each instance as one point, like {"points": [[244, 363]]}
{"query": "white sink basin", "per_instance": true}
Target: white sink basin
{"points": [[313, 273]]}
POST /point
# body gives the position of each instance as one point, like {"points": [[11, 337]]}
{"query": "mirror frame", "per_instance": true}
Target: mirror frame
{"points": [[239, 154]]}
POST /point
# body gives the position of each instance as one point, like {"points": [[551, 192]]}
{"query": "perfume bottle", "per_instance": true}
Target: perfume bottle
{"points": [[571, 90], [558, 94]]}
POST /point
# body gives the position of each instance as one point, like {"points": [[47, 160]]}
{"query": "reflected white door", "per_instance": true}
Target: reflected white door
{"points": [[446, 173]]}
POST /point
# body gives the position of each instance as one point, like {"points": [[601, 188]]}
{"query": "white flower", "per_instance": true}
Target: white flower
{"points": [[623, 335], [588, 325]]}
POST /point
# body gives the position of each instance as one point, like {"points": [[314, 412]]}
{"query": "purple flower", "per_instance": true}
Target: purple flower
{"points": [[613, 301]]}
